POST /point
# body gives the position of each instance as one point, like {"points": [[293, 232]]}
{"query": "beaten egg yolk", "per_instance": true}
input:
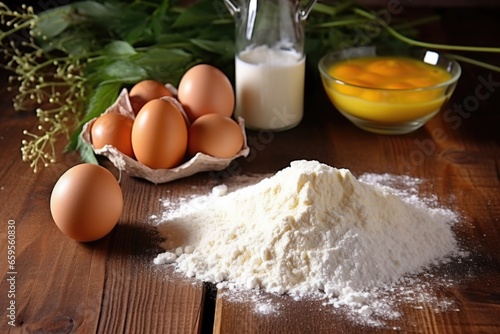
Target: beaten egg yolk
{"points": [[387, 89]]}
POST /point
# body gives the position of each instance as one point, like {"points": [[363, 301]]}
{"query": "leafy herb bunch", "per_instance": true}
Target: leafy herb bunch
{"points": [[69, 63]]}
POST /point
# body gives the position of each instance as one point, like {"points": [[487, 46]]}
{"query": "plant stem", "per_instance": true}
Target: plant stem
{"points": [[332, 10], [38, 67], [339, 23], [475, 62], [424, 20], [16, 28], [410, 41]]}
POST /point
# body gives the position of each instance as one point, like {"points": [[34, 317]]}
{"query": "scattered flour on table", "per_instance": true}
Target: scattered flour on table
{"points": [[312, 230]]}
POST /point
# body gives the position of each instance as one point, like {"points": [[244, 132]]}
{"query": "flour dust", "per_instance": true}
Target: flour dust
{"points": [[361, 245]]}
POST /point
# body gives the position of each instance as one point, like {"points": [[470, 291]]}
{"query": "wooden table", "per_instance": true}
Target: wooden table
{"points": [[111, 285]]}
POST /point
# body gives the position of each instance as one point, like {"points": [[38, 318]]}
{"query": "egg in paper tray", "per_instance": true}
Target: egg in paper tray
{"points": [[199, 163]]}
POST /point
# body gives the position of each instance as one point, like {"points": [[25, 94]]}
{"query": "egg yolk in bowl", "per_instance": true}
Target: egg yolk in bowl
{"points": [[387, 89]]}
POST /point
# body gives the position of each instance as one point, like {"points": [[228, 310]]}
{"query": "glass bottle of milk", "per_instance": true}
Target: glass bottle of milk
{"points": [[270, 62]]}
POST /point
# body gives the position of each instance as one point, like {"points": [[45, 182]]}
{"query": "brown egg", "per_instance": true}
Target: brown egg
{"points": [[159, 135], [204, 89], [145, 91], [215, 135], [86, 202], [113, 129]]}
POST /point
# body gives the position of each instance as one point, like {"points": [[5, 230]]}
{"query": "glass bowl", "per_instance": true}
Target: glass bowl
{"points": [[397, 109]]}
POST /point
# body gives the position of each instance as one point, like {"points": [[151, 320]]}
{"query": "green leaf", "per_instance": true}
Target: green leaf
{"points": [[86, 152], [102, 97], [219, 47], [164, 65], [158, 18], [202, 12], [52, 22], [121, 70], [133, 27], [71, 42], [96, 11], [169, 38], [158, 55], [119, 48], [124, 71]]}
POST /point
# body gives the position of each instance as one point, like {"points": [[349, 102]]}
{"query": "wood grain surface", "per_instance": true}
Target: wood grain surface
{"points": [[111, 285]]}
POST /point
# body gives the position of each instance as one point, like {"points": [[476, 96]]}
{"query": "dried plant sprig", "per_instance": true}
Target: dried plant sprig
{"points": [[16, 20], [55, 84]]}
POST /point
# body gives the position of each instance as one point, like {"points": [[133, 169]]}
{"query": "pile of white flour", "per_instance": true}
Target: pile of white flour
{"points": [[308, 229]]}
